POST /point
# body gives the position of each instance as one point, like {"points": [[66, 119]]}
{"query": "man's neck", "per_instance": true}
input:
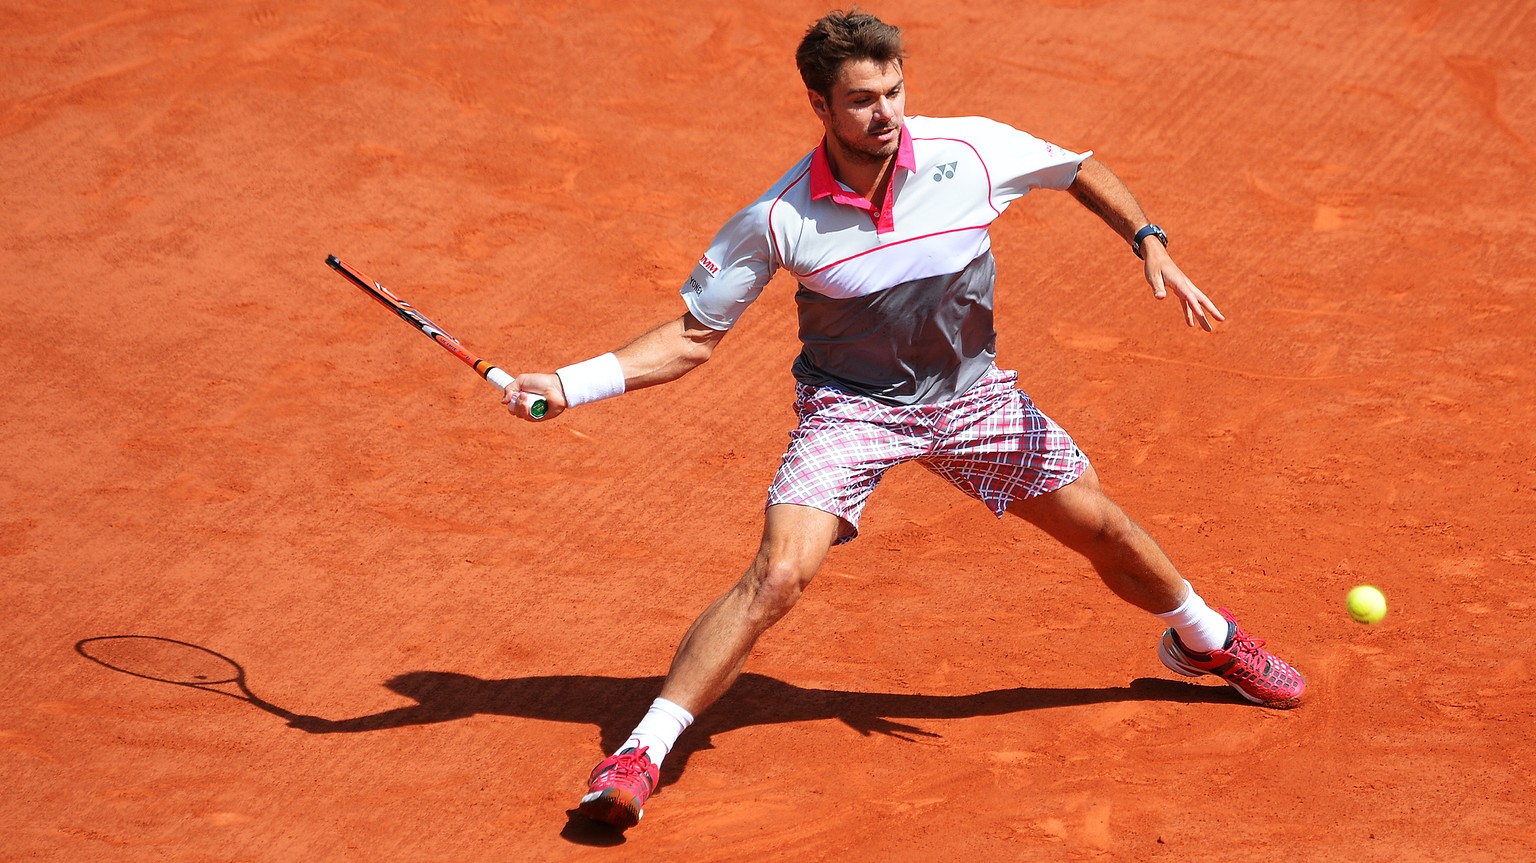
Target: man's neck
{"points": [[865, 174]]}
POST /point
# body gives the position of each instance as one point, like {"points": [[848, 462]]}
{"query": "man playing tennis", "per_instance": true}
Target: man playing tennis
{"points": [[884, 225]]}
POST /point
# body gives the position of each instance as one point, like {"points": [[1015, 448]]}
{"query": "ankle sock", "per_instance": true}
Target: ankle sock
{"points": [[659, 730], [1199, 628]]}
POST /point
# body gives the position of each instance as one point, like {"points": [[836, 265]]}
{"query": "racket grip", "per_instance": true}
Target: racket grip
{"points": [[537, 405]]}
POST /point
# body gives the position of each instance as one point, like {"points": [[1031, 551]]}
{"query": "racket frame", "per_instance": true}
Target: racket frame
{"points": [[537, 405]]}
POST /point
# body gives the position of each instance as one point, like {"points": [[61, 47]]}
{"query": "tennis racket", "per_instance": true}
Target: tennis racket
{"points": [[537, 406], [178, 663]]}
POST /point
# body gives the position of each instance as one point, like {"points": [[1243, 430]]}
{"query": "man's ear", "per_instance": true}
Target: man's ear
{"points": [[819, 104]]}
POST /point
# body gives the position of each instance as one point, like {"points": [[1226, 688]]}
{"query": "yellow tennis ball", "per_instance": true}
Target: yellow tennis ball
{"points": [[1366, 604]]}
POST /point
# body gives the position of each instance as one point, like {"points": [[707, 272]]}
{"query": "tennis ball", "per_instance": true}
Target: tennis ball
{"points": [[1366, 604]]}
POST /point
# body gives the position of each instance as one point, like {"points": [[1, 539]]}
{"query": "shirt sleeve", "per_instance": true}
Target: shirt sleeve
{"points": [[1018, 162], [733, 271]]}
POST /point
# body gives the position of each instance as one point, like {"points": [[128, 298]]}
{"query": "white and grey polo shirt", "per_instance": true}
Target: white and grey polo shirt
{"points": [[895, 298]]}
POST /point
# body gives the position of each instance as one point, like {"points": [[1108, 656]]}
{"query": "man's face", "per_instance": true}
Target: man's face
{"points": [[866, 108]]}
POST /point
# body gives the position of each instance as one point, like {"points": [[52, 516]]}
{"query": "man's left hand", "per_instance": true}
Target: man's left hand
{"points": [[1165, 276]]}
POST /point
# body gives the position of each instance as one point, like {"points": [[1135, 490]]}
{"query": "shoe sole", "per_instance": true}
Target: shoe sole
{"points": [[611, 807], [1168, 652]]}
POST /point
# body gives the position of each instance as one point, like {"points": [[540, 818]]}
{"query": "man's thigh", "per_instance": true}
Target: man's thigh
{"points": [[834, 465], [1073, 514], [1000, 448]]}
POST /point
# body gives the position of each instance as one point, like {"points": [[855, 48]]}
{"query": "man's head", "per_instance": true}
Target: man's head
{"points": [[851, 63], [843, 36]]}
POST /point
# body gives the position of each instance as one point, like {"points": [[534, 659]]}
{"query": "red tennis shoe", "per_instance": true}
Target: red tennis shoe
{"points": [[619, 787], [1256, 674]]}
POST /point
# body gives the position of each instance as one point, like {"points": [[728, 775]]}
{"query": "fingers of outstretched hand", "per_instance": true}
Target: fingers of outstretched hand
{"points": [[1199, 306], [1194, 304]]}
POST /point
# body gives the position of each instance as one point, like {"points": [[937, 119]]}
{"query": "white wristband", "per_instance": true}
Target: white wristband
{"points": [[596, 379]]}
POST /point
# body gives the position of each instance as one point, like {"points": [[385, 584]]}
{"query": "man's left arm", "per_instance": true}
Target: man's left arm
{"points": [[1097, 188]]}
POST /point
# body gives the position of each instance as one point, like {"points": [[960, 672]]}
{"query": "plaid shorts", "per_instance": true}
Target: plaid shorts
{"points": [[991, 442]]}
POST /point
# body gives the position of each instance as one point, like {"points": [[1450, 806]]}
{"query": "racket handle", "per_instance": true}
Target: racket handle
{"points": [[537, 405]]}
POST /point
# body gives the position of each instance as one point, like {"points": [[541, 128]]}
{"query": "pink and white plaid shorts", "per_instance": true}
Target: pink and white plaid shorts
{"points": [[991, 442]]}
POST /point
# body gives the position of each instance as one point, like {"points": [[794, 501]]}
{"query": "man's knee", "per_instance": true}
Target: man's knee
{"points": [[774, 584], [795, 542]]}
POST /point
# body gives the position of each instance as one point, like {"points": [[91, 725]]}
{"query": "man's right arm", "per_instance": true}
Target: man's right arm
{"points": [[665, 353], [735, 267]]}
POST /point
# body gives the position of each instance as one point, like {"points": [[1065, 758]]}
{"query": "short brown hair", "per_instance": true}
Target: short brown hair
{"points": [[842, 36]]}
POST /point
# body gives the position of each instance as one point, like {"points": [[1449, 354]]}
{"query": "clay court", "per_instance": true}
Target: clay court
{"points": [[446, 617]]}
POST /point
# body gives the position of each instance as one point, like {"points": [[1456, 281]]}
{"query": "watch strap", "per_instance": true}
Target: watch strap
{"points": [[1141, 236]]}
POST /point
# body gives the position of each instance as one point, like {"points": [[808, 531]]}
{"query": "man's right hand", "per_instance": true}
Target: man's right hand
{"points": [[525, 388]]}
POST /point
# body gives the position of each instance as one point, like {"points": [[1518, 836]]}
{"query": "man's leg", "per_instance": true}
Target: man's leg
{"points": [[1080, 516], [1200, 641], [796, 540], [709, 659]]}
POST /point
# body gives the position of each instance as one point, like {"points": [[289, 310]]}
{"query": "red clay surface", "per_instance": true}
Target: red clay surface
{"points": [[211, 437]]}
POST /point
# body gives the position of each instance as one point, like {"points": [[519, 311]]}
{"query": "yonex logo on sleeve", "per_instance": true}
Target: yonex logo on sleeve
{"points": [[711, 266], [944, 172]]}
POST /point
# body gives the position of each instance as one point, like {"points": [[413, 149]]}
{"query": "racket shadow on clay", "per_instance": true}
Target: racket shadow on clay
{"points": [[179, 663]]}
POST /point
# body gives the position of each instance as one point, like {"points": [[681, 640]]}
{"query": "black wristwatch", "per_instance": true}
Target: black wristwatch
{"points": [[1148, 231]]}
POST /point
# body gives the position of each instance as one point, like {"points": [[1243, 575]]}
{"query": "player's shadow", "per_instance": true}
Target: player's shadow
{"points": [[614, 705]]}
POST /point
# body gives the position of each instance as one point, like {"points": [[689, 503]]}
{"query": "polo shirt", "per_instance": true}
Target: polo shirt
{"points": [[895, 297]]}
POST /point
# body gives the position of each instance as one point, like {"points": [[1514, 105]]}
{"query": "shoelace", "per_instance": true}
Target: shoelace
{"points": [[1244, 643], [629, 765], [1250, 654]]}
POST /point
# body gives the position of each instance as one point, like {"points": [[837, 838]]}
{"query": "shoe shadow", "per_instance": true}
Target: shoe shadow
{"points": [[581, 830]]}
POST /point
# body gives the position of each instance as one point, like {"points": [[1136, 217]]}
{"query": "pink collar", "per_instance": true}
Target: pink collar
{"points": [[824, 184]]}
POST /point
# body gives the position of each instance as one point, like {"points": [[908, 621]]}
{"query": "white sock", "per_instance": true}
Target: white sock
{"points": [[1199, 628], [659, 730]]}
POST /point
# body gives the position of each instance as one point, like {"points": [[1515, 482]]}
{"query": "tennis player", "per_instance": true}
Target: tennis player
{"points": [[884, 225]]}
